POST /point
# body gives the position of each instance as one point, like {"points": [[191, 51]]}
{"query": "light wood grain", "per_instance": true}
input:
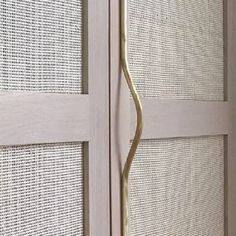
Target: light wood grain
{"points": [[231, 81], [170, 118], [98, 188], [28, 118], [48, 118]]}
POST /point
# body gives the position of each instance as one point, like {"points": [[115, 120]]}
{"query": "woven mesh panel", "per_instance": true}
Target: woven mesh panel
{"points": [[41, 190], [177, 188], [41, 45], [176, 48]]}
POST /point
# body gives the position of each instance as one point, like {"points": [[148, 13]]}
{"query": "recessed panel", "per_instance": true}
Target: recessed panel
{"points": [[176, 48], [41, 46], [177, 188], [42, 190]]}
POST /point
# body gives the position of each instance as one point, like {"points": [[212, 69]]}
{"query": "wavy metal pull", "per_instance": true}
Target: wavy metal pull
{"points": [[139, 127]]}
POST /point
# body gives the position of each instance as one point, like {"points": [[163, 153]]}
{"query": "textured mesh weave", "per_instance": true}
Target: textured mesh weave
{"points": [[41, 45], [177, 188], [41, 190], [176, 48]]}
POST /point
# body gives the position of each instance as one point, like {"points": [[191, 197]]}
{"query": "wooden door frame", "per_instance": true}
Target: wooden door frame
{"points": [[173, 118], [230, 58], [37, 118]]}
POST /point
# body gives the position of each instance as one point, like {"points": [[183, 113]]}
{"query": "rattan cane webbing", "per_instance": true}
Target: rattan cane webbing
{"points": [[41, 190], [177, 188], [176, 48], [41, 45]]}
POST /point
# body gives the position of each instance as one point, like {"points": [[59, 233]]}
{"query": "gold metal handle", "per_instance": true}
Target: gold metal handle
{"points": [[139, 127]]}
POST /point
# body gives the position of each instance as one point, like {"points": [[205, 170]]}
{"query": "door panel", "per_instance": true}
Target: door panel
{"points": [[42, 185], [54, 98], [42, 190], [41, 46], [181, 58], [176, 49], [177, 187]]}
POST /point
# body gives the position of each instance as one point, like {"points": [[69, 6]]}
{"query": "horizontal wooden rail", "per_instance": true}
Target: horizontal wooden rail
{"points": [[181, 118], [28, 118]]}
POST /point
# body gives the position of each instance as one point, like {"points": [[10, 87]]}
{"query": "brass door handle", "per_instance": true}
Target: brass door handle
{"points": [[139, 126]]}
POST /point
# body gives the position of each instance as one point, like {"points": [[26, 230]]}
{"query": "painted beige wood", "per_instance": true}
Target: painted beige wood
{"points": [[181, 118], [28, 118], [98, 184], [231, 81]]}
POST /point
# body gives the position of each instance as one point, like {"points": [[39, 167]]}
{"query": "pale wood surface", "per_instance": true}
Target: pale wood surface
{"points": [[181, 118], [98, 203], [28, 118], [231, 81]]}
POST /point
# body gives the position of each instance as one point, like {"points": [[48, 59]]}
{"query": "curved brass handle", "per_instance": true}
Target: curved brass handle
{"points": [[139, 127]]}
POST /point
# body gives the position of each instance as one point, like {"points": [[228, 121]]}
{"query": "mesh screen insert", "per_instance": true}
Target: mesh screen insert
{"points": [[176, 48], [41, 45], [41, 190], [177, 188]]}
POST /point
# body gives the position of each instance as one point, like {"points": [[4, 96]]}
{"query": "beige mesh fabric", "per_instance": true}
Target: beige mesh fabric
{"points": [[41, 46], [176, 48], [177, 188], [41, 190]]}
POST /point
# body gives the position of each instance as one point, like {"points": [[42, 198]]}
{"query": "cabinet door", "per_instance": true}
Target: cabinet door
{"points": [[181, 57], [54, 120]]}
